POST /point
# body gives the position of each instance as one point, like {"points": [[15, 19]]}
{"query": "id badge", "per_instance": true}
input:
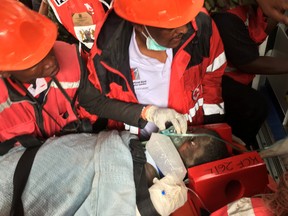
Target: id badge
{"points": [[84, 28]]}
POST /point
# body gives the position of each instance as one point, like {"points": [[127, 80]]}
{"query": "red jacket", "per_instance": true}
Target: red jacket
{"points": [[20, 115], [196, 73]]}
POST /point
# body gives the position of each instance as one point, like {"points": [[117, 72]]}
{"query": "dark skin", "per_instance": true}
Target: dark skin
{"points": [[151, 173], [266, 65], [274, 9], [192, 149], [169, 38], [47, 67], [189, 151]]}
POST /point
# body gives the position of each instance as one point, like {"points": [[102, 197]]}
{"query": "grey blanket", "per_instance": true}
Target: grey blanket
{"points": [[77, 174]]}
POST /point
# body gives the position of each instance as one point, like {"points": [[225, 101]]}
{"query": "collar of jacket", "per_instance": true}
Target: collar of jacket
{"points": [[114, 40], [16, 93]]}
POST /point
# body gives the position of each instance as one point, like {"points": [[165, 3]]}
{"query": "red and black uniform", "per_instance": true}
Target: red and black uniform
{"points": [[46, 115], [242, 40], [196, 72], [242, 29]]}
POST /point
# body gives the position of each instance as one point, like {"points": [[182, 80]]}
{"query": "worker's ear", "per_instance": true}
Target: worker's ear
{"points": [[5, 74]]}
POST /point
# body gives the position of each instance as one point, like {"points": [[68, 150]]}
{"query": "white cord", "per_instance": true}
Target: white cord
{"points": [[198, 197]]}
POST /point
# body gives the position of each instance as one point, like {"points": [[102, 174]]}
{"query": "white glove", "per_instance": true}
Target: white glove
{"points": [[159, 116]]}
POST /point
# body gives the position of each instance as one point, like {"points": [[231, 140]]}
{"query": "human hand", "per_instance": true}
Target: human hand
{"points": [[159, 116], [279, 148], [274, 9]]}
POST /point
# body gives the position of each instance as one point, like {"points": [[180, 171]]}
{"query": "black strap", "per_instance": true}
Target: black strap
{"points": [[143, 201], [6, 146], [22, 170]]}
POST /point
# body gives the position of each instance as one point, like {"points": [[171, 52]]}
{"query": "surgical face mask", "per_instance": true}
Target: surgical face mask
{"points": [[151, 44]]}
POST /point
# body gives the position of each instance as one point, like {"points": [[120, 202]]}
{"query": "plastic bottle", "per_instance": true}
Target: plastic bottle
{"points": [[166, 156]]}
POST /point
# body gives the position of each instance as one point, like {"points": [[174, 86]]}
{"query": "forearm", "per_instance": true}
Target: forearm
{"points": [[94, 102], [266, 65], [104, 107]]}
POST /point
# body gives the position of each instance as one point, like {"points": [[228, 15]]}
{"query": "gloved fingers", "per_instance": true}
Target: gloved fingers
{"points": [[183, 123], [162, 115], [180, 123], [160, 125], [176, 125]]}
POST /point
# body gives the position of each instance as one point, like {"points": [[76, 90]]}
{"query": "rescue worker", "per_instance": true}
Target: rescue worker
{"points": [[75, 17], [242, 30], [175, 59], [44, 87]]}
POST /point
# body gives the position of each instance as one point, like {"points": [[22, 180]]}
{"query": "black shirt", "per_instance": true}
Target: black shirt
{"points": [[239, 48]]}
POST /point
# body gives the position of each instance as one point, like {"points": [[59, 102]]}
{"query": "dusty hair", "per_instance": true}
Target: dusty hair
{"points": [[278, 201], [216, 149]]}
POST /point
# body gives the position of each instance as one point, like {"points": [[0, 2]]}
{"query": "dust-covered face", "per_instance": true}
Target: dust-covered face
{"points": [[192, 149]]}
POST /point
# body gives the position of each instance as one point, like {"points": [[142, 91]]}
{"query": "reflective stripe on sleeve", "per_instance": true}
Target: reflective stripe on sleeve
{"points": [[217, 63], [5, 104], [210, 109], [67, 85]]}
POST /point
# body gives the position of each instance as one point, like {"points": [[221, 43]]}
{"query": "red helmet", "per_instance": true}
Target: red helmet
{"points": [[158, 13], [26, 37]]}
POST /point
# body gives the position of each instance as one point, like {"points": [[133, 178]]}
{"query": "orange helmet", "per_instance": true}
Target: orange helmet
{"points": [[26, 37], [158, 13]]}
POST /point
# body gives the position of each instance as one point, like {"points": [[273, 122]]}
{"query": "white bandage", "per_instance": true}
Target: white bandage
{"points": [[167, 194]]}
